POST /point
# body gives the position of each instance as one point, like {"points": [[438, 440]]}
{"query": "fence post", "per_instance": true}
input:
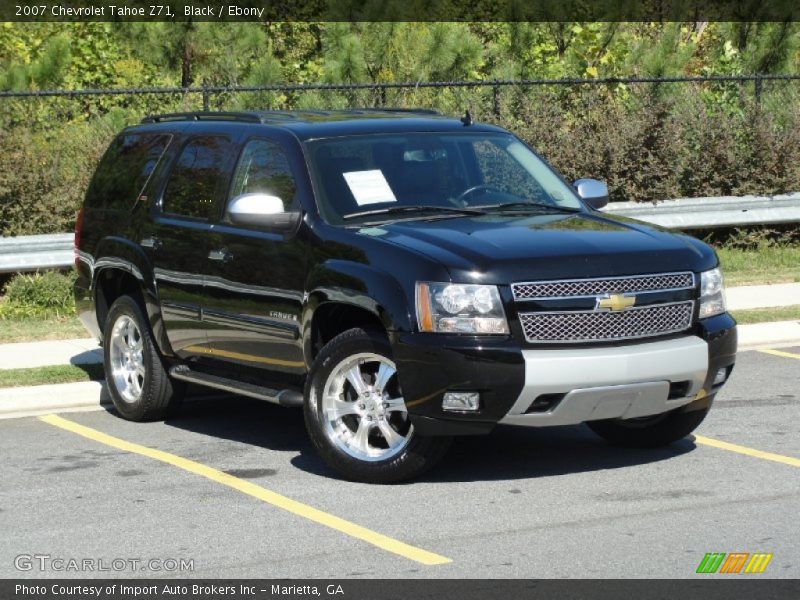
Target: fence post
{"points": [[205, 96], [496, 100], [758, 82]]}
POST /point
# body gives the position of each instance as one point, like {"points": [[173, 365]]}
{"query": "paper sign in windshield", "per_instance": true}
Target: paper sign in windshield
{"points": [[369, 187]]}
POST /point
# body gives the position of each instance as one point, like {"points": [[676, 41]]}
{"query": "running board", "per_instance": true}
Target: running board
{"points": [[288, 398]]}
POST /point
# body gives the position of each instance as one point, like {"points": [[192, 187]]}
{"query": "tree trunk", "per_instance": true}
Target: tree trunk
{"points": [[186, 66]]}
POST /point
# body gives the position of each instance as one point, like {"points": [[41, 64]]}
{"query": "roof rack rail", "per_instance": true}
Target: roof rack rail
{"points": [[415, 111], [204, 116]]}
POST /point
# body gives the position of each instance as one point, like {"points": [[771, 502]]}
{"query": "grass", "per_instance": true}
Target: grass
{"points": [[765, 315], [51, 374], [767, 264], [30, 328]]}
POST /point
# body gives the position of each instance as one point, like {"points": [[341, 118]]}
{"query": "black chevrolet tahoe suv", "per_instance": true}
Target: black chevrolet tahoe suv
{"points": [[402, 276]]}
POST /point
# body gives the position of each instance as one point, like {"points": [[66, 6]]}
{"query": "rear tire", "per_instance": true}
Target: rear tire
{"points": [[356, 416], [137, 379], [649, 432]]}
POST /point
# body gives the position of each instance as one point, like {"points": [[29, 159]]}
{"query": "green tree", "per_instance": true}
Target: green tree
{"points": [[552, 50], [386, 52], [766, 47], [661, 50], [47, 69], [192, 52]]}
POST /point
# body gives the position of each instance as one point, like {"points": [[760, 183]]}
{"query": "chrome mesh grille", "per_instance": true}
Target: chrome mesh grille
{"points": [[600, 326], [592, 287]]}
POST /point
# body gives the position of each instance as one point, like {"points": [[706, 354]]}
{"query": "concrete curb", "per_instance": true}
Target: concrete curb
{"points": [[768, 334], [61, 397], [80, 396]]}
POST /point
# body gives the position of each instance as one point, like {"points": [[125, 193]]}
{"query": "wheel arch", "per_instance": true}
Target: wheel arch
{"points": [[122, 268], [345, 295]]}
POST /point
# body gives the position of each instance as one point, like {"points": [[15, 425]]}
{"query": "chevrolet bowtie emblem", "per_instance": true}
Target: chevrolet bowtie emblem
{"points": [[614, 302]]}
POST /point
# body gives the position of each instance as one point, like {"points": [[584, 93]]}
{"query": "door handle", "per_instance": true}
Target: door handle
{"points": [[151, 242], [221, 255]]}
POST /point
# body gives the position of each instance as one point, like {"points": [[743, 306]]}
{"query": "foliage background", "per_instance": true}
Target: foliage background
{"points": [[650, 142]]}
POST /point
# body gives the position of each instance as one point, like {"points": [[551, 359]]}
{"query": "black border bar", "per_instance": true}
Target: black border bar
{"points": [[706, 587], [400, 10]]}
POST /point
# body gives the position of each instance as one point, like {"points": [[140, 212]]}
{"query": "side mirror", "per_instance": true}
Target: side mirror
{"points": [[260, 210], [592, 192]]}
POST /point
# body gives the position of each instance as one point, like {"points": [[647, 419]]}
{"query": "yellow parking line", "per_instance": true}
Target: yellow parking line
{"points": [[787, 460], [779, 353], [298, 508]]}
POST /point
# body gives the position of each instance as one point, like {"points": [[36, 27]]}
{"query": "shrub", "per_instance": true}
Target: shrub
{"points": [[652, 148], [46, 293], [44, 175], [632, 147]]}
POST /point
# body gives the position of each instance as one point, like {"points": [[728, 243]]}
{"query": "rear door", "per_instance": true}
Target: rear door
{"points": [[179, 238], [254, 291]]}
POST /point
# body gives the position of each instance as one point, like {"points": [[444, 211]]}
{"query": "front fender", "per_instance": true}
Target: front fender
{"points": [[363, 286]]}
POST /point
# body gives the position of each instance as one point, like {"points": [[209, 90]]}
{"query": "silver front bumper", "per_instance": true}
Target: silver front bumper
{"points": [[605, 383]]}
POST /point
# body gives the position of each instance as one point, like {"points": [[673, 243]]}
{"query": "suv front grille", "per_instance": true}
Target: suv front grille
{"points": [[601, 326], [574, 288]]}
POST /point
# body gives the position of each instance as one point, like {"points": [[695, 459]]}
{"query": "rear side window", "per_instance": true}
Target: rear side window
{"points": [[125, 169], [264, 168], [195, 179]]}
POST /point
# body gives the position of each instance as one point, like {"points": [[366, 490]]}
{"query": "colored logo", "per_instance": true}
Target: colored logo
{"points": [[614, 302], [735, 562]]}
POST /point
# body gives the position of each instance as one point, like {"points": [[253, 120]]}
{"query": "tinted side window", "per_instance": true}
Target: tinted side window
{"points": [[125, 169], [263, 168], [193, 183]]}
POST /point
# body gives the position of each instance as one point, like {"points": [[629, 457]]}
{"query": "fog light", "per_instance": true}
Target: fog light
{"points": [[720, 377], [460, 401]]}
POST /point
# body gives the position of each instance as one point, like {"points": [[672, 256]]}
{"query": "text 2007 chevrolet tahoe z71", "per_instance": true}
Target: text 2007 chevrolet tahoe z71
{"points": [[404, 277]]}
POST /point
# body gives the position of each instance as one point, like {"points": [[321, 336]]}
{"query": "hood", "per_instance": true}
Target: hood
{"points": [[505, 248]]}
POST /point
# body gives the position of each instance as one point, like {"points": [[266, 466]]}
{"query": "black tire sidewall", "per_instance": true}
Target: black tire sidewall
{"points": [[158, 395], [672, 427]]}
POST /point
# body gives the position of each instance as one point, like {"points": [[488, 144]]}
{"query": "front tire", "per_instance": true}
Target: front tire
{"points": [[650, 432], [356, 416], [137, 379]]}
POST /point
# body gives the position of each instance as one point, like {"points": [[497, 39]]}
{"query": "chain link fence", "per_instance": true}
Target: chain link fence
{"points": [[487, 95]]}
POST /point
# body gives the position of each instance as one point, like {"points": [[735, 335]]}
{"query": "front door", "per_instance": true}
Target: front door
{"points": [[254, 288]]}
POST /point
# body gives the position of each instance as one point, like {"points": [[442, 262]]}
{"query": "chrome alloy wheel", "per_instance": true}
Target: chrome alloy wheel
{"points": [[127, 363], [363, 409]]}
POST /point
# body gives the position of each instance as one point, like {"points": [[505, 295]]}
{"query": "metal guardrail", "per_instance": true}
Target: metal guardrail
{"points": [[34, 252], [710, 213], [54, 251]]}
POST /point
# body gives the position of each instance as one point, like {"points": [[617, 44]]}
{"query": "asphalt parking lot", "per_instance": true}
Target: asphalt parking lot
{"points": [[237, 490]]}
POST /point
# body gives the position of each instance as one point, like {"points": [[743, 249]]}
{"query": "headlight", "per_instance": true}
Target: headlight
{"points": [[712, 293], [460, 308]]}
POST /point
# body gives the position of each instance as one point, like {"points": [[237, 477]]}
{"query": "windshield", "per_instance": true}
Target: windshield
{"points": [[362, 177]]}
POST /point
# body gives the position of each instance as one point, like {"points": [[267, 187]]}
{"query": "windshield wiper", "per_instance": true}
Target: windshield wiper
{"points": [[394, 210], [511, 206]]}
